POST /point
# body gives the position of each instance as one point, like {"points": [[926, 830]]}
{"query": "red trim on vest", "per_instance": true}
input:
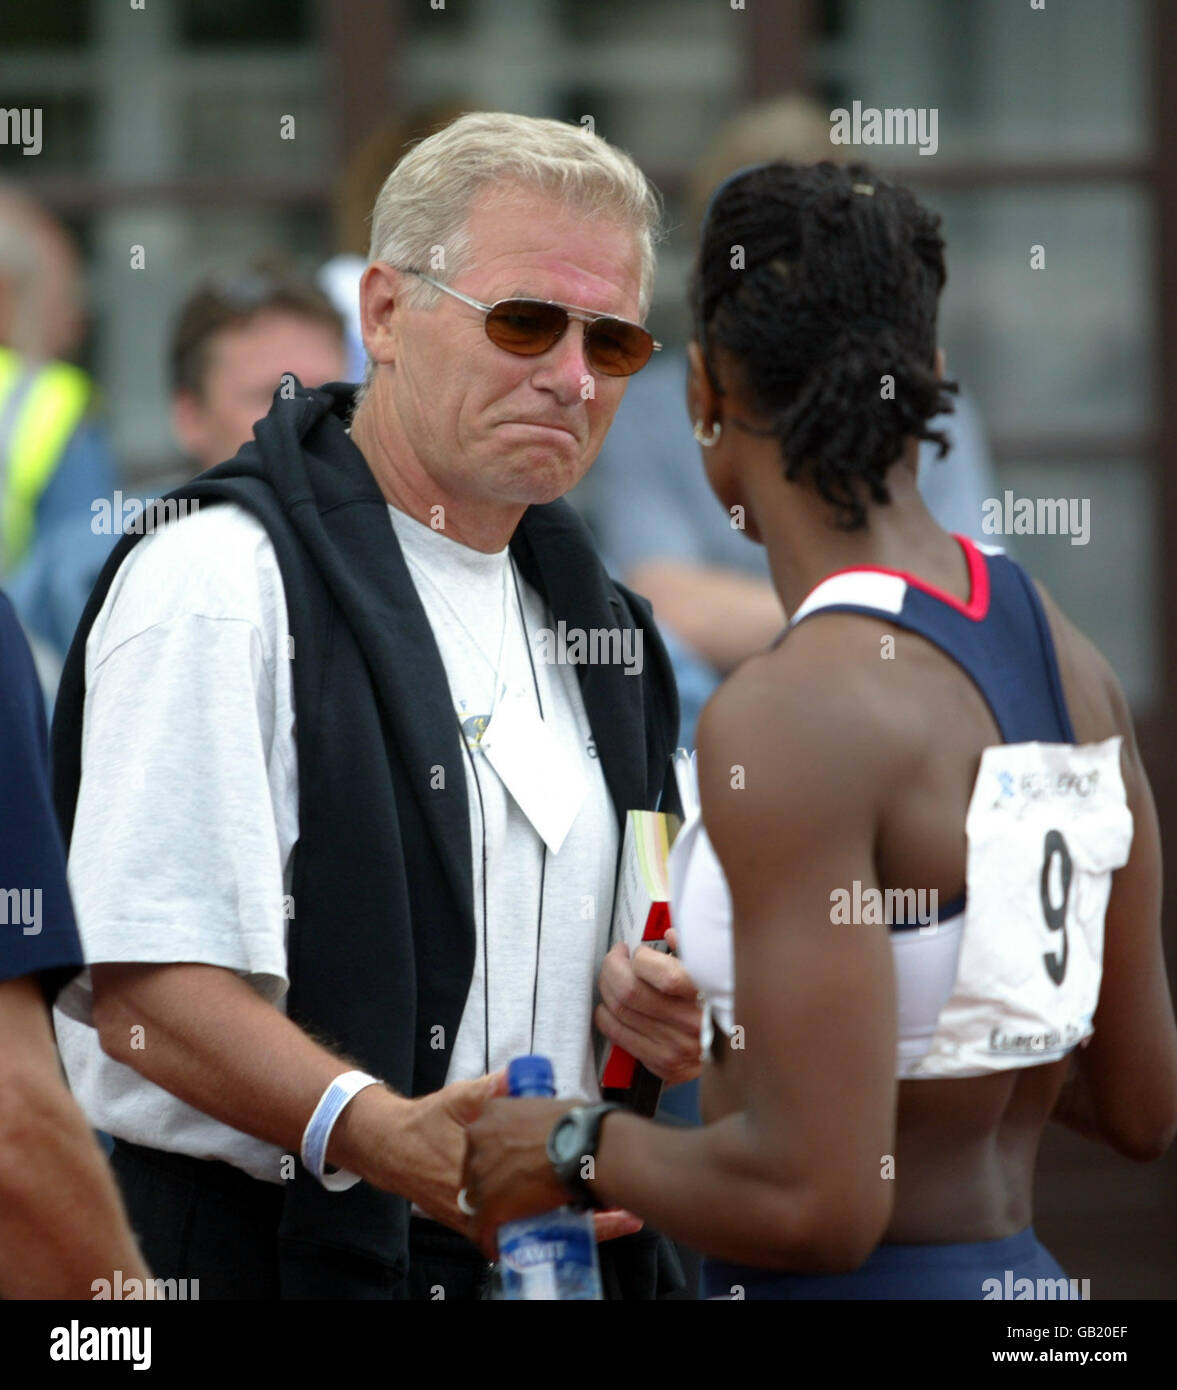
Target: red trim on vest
{"points": [[977, 606]]}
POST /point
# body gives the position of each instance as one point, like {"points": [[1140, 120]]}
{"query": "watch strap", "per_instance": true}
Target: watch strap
{"points": [[588, 1120]]}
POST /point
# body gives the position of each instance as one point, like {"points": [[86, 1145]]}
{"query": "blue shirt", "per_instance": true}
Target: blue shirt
{"points": [[50, 587], [38, 934]]}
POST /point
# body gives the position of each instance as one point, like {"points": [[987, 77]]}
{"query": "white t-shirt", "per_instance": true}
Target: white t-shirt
{"points": [[187, 810]]}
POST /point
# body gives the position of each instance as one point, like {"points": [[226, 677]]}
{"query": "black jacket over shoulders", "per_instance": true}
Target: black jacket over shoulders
{"points": [[381, 943]]}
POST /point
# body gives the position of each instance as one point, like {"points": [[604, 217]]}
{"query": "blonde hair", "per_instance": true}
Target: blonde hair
{"points": [[425, 202], [791, 127]]}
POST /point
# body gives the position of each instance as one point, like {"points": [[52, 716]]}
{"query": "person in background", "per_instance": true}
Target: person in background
{"points": [[647, 501], [236, 336], [55, 456], [62, 1223]]}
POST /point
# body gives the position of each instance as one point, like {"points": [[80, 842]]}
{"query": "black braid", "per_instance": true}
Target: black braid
{"points": [[839, 288]]}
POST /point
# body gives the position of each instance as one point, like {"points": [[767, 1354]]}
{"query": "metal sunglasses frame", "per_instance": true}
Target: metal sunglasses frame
{"points": [[584, 315]]}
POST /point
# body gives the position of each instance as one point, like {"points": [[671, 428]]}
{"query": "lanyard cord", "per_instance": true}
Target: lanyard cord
{"points": [[497, 667], [543, 860]]}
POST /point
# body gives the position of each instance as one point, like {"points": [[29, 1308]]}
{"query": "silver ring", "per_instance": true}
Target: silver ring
{"points": [[464, 1203]]}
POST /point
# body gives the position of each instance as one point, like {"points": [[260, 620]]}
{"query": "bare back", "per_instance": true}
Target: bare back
{"points": [[964, 1149]]}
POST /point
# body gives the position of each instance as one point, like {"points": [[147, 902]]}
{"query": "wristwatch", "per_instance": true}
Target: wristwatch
{"points": [[573, 1138]]}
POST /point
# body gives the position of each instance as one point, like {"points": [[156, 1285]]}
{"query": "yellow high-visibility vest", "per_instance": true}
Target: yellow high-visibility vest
{"points": [[34, 432]]}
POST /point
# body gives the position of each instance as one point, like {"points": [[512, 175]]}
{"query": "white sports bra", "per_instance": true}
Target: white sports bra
{"points": [[701, 911], [975, 993]]}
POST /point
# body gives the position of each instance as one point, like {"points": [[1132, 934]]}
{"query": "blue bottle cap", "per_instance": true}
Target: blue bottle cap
{"points": [[531, 1076]]}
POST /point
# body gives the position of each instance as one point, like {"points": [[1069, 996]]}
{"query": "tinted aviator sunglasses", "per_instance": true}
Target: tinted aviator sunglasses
{"points": [[529, 327]]}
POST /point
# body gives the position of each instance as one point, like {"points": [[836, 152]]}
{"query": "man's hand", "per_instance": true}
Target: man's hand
{"points": [[421, 1147], [508, 1174], [221, 1048], [649, 1005]]}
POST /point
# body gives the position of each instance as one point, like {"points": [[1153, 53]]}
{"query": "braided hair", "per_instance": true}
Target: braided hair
{"points": [[838, 287]]}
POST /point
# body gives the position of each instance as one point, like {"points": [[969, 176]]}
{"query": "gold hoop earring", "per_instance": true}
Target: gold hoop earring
{"points": [[711, 438]]}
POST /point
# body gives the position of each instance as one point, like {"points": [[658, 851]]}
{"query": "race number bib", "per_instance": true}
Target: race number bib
{"points": [[1047, 824]]}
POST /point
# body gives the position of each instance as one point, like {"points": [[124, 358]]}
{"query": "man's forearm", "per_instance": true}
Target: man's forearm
{"points": [[213, 1042]]}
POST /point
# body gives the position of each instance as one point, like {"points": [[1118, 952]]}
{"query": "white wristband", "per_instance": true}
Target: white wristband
{"points": [[318, 1131]]}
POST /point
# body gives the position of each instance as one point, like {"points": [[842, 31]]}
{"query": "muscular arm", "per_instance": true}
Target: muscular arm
{"points": [[1123, 1088], [209, 1039], [62, 1224], [725, 616]]}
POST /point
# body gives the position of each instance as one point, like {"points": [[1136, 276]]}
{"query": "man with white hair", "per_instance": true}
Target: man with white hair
{"points": [[344, 819]]}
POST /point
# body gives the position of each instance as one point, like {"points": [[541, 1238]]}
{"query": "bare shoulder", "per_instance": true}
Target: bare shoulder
{"points": [[802, 732], [1095, 698]]}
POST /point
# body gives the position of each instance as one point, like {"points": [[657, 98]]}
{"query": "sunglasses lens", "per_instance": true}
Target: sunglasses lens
{"points": [[617, 348], [529, 327], [525, 326]]}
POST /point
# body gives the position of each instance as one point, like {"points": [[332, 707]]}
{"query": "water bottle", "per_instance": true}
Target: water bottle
{"points": [[553, 1256]]}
